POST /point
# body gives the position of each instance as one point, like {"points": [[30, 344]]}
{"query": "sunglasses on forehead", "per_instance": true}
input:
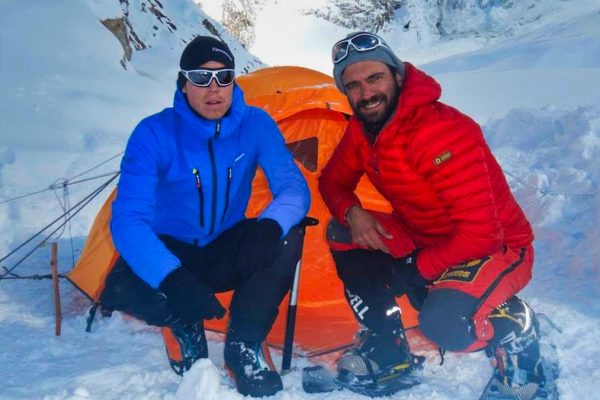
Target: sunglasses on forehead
{"points": [[360, 42], [203, 77]]}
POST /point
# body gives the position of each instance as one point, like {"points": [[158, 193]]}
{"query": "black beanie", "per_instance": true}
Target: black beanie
{"points": [[202, 50]]}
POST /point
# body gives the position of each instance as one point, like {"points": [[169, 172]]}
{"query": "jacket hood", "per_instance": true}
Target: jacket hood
{"points": [[205, 127], [418, 88]]}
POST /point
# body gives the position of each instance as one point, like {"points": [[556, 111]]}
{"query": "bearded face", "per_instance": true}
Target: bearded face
{"points": [[372, 89], [373, 113]]}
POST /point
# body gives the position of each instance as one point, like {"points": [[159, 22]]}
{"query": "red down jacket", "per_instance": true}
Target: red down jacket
{"points": [[432, 164]]}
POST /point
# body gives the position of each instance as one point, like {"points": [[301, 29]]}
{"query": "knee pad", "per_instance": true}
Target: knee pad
{"points": [[445, 319]]}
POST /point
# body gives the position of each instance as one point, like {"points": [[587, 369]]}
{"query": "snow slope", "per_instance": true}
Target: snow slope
{"points": [[68, 100], [68, 104]]}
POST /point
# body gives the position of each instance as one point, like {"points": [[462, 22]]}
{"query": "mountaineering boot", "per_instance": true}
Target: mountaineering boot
{"points": [[251, 366], [380, 360], [380, 363], [518, 371], [375, 357], [185, 344]]}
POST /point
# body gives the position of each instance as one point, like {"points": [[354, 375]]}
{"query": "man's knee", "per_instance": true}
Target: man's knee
{"points": [[337, 233], [445, 319], [352, 266], [293, 240], [351, 263], [290, 251]]}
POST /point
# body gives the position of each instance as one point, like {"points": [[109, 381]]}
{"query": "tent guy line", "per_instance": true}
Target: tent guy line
{"points": [[63, 182], [67, 215]]}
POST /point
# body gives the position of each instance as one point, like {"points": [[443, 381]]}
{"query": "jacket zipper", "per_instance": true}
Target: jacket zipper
{"points": [[211, 152], [196, 174], [229, 177]]}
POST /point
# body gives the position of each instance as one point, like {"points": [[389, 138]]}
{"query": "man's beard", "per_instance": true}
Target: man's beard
{"points": [[373, 123]]}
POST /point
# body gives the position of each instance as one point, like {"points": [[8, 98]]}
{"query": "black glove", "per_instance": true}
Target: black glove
{"points": [[189, 298], [406, 278], [259, 247], [411, 270]]}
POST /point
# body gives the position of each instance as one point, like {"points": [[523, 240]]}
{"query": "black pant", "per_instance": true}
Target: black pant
{"points": [[370, 283], [366, 276], [256, 297]]}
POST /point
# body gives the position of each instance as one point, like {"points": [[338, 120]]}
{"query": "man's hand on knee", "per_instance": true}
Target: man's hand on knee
{"points": [[366, 230]]}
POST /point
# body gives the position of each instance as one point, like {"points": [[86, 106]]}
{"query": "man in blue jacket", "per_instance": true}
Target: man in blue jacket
{"points": [[179, 225]]}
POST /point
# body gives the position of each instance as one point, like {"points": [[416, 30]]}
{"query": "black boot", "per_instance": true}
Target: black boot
{"points": [[516, 350], [185, 344], [377, 357], [250, 365]]}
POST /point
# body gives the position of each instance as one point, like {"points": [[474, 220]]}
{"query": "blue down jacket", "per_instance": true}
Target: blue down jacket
{"points": [[190, 178]]}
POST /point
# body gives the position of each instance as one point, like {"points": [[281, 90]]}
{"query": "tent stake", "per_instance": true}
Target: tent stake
{"points": [[57, 309]]}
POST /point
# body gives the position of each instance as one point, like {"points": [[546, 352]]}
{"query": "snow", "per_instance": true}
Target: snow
{"points": [[68, 105]]}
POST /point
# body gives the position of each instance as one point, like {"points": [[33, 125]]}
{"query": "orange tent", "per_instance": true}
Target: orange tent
{"points": [[312, 114]]}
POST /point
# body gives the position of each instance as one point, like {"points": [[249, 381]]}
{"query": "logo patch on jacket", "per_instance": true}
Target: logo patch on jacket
{"points": [[442, 158], [464, 272]]}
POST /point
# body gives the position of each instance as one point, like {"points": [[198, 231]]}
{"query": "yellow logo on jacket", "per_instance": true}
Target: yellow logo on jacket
{"points": [[442, 158], [465, 272]]}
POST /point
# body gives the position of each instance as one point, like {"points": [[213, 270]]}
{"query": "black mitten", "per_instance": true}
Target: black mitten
{"points": [[190, 299], [259, 247]]}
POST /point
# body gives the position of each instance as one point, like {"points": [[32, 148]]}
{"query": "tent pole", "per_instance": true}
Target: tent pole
{"points": [[57, 308]]}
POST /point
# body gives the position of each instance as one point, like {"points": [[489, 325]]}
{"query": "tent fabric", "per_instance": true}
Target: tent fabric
{"points": [[98, 255], [312, 114]]}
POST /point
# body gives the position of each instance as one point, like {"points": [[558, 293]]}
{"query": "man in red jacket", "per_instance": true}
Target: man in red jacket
{"points": [[457, 243]]}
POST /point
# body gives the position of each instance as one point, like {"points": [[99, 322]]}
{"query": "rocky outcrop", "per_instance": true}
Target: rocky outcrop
{"points": [[122, 30], [143, 24]]}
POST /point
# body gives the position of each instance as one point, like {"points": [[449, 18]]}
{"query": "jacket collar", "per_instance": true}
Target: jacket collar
{"points": [[204, 127], [418, 88]]}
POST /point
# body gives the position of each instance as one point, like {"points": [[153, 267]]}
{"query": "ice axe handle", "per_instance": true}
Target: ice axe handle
{"points": [[290, 325]]}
